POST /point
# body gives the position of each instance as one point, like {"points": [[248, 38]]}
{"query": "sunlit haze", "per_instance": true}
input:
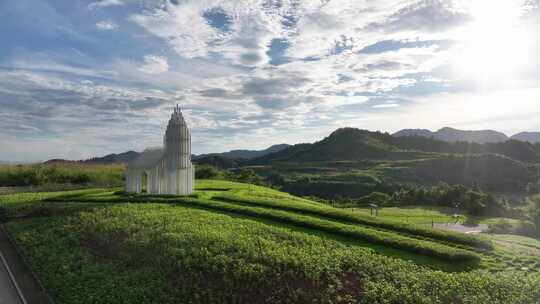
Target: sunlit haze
{"points": [[496, 45], [81, 78]]}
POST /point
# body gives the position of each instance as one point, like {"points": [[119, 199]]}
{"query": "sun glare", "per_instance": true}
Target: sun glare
{"points": [[495, 44]]}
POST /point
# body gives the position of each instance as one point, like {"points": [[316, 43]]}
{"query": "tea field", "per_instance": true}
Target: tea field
{"points": [[240, 243]]}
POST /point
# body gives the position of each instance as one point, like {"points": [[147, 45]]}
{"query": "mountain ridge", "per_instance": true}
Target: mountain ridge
{"points": [[245, 154], [125, 157], [408, 139], [532, 137], [357, 144], [455, 135]]}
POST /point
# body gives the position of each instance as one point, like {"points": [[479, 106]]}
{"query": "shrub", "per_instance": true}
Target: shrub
{"points": [[522, 227], [207, 172], [378, 198]]}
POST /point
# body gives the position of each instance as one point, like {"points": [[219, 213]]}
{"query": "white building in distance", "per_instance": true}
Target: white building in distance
{"points": [[168, 170]]}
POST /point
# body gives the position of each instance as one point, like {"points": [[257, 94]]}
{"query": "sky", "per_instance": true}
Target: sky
{"points": [[87, 78]]}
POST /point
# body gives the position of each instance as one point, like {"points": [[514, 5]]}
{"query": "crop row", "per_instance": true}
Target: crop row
{"points": [[362, 233], [341, 215], [163, 253], [284, 215]]}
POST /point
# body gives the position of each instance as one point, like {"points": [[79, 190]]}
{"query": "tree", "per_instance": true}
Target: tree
{"points": [[248, 176], [276, 179], [206, 172]]}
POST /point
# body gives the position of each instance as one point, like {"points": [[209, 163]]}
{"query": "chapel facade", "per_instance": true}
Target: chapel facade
{"points": [[166, 170]]}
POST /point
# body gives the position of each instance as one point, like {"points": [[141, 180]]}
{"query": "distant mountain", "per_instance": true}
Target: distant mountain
{"points": [[8, 162], [481, 137], [114, 158], [414, 132], [342, 144], [532, 137], [217, 161], [222, 160], [245, 154], [501, 166], [120, 158], [454, 135], [355, 144]]}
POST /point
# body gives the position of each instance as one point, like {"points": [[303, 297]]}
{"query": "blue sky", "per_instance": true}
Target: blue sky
{"points": [[85, 78]]}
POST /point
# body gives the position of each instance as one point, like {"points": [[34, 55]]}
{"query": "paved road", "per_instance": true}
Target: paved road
{"points": [[8, 293]]}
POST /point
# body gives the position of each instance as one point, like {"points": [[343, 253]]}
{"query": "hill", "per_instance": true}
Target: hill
{"points": [[217, 161], [454, 135], [239, 243], [356, 144], [342, 144], [414, 132], [353, 163], [532, 137], [492, 172], [224, 160], [245, 154], [113, 158]]}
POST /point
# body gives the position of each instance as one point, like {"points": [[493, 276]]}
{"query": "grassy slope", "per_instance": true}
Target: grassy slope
{"points": [[424, 215], [355, 227], [156, 253], [54, 174], [342, 215]]}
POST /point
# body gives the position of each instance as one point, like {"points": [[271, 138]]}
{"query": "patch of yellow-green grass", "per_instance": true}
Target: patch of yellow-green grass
{"points": [[21, 200], [425, 215], [413, 214], [211, 188], [522, 252], [494, 220]]}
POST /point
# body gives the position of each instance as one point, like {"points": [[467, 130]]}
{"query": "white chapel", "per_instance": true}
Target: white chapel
{"points": [[168, 170]]}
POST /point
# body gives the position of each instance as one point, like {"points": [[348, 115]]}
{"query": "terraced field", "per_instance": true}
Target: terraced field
{"points": [[238, 243]]}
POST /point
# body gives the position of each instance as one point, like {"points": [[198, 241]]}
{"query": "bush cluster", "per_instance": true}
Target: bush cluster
{"points": [[473, 200]]}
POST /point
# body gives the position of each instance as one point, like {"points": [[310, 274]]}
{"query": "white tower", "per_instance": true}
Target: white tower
{"points": [[168, 170], [177, 155]]}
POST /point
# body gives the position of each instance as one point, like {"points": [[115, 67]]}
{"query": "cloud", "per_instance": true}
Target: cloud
{"points": [[273, 86], [240, 32], [245, 72], [386, 105], [106, 25], [154, 64], [425, 15], [105, 3]]}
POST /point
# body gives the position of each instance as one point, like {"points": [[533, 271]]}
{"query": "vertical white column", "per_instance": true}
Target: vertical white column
{"points": [[128, 182]]}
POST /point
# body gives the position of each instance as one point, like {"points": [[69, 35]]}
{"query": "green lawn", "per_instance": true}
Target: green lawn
{"points": [[425, 215], [237, 243]]}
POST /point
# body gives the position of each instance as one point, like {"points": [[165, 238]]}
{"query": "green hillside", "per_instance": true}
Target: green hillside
{"points": [[354, 144], [240, 243], [353, 163]]}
